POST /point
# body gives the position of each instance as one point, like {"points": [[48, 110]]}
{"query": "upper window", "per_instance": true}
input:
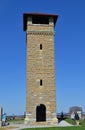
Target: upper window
{"points": [[40, 20], [40, 82]]}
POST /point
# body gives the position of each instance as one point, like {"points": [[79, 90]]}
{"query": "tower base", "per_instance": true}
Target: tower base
{"points": [[48, 123]]}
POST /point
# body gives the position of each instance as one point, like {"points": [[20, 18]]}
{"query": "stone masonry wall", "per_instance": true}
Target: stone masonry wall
{"points": [[40, 66]]}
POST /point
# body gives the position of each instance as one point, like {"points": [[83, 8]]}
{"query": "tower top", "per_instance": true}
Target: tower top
{"points": [[38, 17]]}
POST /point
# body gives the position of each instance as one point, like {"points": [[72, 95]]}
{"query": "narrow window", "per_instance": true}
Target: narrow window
{"points": [[40, 82], [40, 46]]}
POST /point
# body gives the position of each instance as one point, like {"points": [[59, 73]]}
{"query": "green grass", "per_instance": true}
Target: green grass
{"points": [[81, 127], [82, 122], [59, 128], [69, 120]]}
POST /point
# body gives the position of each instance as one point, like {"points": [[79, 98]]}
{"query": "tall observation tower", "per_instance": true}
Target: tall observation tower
{"points": [[40, 68]]}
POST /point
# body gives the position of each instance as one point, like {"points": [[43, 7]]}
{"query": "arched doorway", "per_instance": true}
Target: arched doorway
{"points": [[40, 113]]}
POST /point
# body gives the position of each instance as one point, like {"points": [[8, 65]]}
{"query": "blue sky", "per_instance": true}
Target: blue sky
{"points": [[69, 52]]}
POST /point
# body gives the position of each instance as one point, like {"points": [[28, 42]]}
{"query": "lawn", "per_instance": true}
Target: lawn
{"points": [[51, 128], [59, 128], [81, 127], [82, 122]]}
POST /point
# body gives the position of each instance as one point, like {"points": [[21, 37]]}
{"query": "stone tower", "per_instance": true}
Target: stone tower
{"points": [[40, 68]]}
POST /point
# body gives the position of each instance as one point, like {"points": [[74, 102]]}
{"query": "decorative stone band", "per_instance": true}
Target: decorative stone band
{"points": [[40, 32]]}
